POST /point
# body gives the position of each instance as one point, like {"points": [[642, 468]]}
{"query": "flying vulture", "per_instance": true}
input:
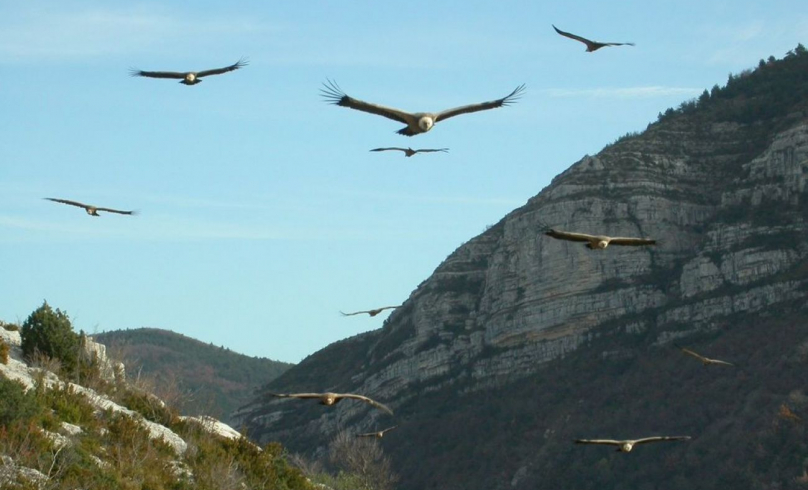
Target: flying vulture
{"points": [[378, 434], [590, 45], [598, 242], [417, 122], [370, 312], [408, 152], [190, 77], [704, 360], [91, 210], [626, 446], [334, 398]]}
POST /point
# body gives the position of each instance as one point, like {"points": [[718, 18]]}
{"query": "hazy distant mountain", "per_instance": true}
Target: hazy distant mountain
{"points": [[218, 379], [518, 343]]}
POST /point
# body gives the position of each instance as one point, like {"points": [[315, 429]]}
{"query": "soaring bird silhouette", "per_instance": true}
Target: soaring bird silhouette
{"points": [[417, 122], [378, 434], [704, 360], [627, 445], [334, 398], [408, 152], [91, 210], [189, 77], [590, 45], [598, 242], [370, 312]]}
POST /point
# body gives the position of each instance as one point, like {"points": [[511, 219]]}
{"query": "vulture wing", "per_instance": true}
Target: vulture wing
{"points": [[482, 106], [218, 71], [157, 74], [67, 201], [365, 399], [632, 242], [570, 236], [335, 95]]}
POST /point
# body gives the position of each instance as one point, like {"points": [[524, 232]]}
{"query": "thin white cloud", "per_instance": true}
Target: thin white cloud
{"points": [[647, 92], [461, 200], [160, 228], [51, 33]]}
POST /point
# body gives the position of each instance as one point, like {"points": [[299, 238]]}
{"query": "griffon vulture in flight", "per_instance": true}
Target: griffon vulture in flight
{"points": [[378, 434], [626, 446], [598, 242], [334, 398], [417, 122], [704, 360], [190, 77], [91, 210], [408, 152], [371, 312], [590, 45]]}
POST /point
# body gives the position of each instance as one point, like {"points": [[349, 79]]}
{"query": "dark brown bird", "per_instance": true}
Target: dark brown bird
{"points": [[378, 434], [370, 312], [598, 242], [408, 152], [417, 122], [590, 45], [704, 360], [627, 445], [334, 398], [189, 77], [91, 210]]}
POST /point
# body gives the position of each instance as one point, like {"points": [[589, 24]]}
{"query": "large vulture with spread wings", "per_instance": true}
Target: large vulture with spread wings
{"points": [[372, 312], [189, 77], [599, 242], [91, 210], [417, 122], [704, 360], [408, 152], [329, 399], [590, 45], [627, 445], [378, 434]]}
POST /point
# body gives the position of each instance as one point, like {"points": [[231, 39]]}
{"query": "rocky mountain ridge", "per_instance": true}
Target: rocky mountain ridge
{"points": [[720, 183]]}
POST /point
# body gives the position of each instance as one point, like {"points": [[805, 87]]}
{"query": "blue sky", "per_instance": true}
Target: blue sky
{"points": [[262, 213]]}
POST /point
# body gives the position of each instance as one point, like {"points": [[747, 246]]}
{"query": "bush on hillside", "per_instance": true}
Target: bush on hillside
{"points": [[4, 348], [16, 403], [49, 332]]}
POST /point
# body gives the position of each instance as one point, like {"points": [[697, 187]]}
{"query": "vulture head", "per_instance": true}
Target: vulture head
{"points": [[425, 123], [190, 79], [626, 447]]}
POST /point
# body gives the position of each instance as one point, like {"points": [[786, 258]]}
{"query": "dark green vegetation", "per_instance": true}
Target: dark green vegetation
{"points": [[104, 447], [516, 429], [48, 332], [114, 450], [212, 380]]}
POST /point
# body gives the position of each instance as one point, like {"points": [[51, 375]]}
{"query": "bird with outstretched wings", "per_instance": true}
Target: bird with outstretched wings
{"points": [[90, 209], [189, 77], [373, 312], [329, 398], [417, 122], [408, 152], [590, 45], [598, 242], [704, 360], [626, 445]]}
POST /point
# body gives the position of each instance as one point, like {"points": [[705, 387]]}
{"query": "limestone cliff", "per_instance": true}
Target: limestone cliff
{"points": [[720, 183]]}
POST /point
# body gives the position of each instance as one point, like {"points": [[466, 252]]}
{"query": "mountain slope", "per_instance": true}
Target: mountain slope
{"points": [[518, 343], [217, 379]]}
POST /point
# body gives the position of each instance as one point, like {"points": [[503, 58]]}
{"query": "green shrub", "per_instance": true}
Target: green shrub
{"points": [[4, 348], [50, 333], [16, 403]]}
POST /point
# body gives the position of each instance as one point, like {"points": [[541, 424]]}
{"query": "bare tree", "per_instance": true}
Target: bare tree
{"points": [[363, 458]]}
